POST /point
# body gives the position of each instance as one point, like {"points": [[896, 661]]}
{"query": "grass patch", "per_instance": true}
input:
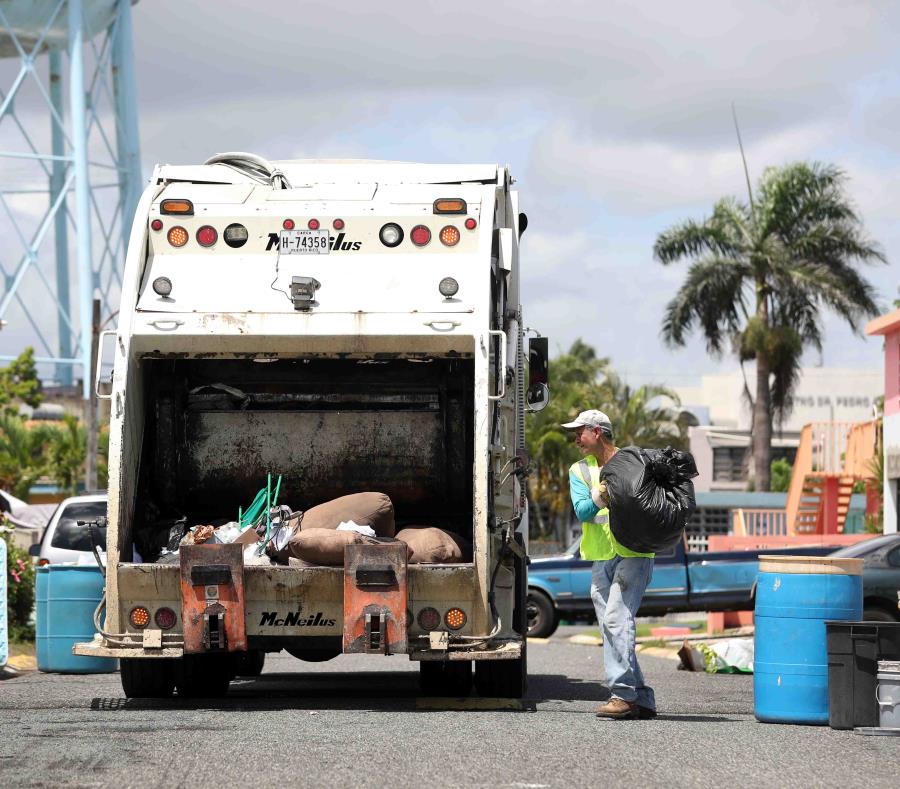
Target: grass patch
{"points": [[21, 649]]}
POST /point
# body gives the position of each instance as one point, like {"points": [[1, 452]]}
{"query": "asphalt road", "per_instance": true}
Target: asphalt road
{"points": [[358, 721]]}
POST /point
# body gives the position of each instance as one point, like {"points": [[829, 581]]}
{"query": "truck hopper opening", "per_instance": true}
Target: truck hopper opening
{"points": [[214, 428]]}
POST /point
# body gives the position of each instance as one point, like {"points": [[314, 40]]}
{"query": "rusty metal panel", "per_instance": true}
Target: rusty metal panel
{"points": [[212, 598], [375, 595]]}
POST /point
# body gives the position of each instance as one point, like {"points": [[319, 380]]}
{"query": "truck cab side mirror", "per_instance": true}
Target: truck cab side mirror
{"points": [[537, 396]]}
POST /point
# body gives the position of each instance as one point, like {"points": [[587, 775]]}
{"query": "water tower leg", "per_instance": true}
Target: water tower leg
{"points": [[82, 187], [57, 182], [127, 140]]}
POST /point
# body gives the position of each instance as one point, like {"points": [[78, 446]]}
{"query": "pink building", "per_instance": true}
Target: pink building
{"points": [[888, 326]]}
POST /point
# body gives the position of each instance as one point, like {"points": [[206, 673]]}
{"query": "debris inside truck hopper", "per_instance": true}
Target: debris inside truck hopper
{"points": [[430, 545]]}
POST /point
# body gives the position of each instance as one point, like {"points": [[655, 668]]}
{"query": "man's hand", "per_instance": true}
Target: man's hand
{"points": [[600, 496]]}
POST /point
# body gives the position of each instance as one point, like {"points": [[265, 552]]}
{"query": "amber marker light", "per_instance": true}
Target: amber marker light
{"points": [[455, 618], [450, 236], [449, 206], [139, 616], [177, 236], [176, 207]]}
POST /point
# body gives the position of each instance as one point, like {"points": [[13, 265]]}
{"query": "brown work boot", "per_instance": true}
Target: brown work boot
{"points": [[618, 709]]}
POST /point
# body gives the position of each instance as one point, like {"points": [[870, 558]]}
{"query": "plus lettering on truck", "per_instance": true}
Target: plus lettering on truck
{"points": [[340, 327]]}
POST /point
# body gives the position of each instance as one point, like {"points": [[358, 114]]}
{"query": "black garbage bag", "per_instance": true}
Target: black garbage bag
{"points": [[651, 496]]}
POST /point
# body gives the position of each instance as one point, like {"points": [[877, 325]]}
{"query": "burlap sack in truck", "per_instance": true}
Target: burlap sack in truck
{"points": [[324, 546], [366, 509], [429, 545]]}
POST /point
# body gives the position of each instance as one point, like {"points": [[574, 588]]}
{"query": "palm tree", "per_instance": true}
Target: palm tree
{"points": [[641, 417], [760, 275]]}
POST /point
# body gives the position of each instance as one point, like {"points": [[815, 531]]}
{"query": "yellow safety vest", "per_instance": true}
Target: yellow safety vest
{"points": [[597, 541]]}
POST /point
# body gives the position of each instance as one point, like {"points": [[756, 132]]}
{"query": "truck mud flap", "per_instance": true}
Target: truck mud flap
{"points": [[375, 598], [212, 598]]}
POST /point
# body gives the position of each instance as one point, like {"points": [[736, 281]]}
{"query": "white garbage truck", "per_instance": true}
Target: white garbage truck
{"points": [[346, 326]]}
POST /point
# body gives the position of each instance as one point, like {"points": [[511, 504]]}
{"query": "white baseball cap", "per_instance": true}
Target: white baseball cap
{"points": [[592, 418]]}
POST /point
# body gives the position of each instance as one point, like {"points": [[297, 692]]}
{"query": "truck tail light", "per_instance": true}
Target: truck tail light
{"points": [[207, 236], [165, 618], [338, 224], [450, 236], [288, 224], [156, 224], [455, 618], [139, 617], [447, 205], [471, 223], [177, 236], [313, 224], [391, 234], [420, 235], [429, 619], [235, 235], [185, 207]]}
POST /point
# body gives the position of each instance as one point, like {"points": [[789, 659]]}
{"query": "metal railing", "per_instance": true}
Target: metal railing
{"points": [[759, 523]]}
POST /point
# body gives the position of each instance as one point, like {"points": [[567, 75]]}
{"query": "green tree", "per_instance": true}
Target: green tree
{"points": [[761, 273], [579, 380], [781, 475], [23, 454], [19, 382], [66, 454]]}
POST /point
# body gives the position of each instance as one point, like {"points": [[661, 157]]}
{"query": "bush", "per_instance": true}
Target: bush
{"points": [[19, 591]]}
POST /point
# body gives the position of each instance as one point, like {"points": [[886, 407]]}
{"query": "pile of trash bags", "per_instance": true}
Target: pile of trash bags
{"points": [[651, 496], [319, 535]]}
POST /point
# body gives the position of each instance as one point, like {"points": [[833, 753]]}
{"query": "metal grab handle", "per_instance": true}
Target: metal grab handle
{"points": [[501, 364], [891, 703], [97, 361], [166, 325], [450, 325]]}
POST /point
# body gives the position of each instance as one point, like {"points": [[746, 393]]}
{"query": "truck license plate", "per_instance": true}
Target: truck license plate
{"points": [[303, 242]]}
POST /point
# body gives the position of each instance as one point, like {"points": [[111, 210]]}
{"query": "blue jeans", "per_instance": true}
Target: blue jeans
{"points": [[617, 586]]}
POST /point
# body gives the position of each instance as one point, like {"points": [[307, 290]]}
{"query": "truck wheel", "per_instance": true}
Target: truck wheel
{"points": [[542, 616], [445, 678], [203, 676], [501, 679], [249, 663], [147, 678], [878, 614]]}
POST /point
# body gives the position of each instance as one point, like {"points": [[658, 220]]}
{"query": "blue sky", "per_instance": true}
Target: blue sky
{"points": [[614, 116]]}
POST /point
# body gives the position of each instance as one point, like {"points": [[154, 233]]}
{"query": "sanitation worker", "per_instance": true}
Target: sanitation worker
{"points": [[618, 577]]}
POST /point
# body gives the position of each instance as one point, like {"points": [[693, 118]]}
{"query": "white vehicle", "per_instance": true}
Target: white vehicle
{"points": [[349, 326], [67, 537]]}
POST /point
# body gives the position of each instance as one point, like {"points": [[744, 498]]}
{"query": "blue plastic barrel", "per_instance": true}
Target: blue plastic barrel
{"points": [[66, 596], [794, 597]]}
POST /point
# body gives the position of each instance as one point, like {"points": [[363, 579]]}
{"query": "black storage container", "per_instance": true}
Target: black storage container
{"points": [[854, 649]]}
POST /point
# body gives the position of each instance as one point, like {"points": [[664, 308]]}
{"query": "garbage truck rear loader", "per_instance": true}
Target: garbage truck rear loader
{"points": [[345, 327]]}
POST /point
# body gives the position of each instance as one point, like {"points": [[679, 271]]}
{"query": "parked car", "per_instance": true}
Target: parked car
{"points": [[559, 587], [881, 576], [64, 540]]}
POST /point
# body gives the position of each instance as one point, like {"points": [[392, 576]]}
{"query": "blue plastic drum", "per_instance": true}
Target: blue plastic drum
{"points": [[66, 596], [794, 597]]}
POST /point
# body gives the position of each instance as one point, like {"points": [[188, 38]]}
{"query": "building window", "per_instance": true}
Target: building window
{"points": [[730, 464]]}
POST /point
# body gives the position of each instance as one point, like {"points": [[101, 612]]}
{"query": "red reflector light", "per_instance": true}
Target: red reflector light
{"points": [[156, 224], [207, 236], [43, 562], [338, 224], [165, 618], [313, 224], [420, 235], [471, 224], [288, 224], [429, 619]]}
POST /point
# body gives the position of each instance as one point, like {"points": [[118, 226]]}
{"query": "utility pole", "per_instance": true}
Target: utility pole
{"points": [[90, 465]]}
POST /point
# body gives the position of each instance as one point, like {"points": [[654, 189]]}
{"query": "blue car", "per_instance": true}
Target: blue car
{"points": [[559, 587]]}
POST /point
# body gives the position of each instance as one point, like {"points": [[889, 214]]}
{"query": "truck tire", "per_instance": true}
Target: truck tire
{"points": [[875, 613], [501, 679], [448, 678], [147, 678], [203, 676], [249, 663], [543, 618]]}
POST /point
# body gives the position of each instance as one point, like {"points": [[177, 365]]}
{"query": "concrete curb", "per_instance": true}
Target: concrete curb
{"points": [[659, 652], [588, 641]]}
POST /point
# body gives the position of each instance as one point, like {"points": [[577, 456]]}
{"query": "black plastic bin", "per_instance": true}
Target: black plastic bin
{"points": [[854, 649]]}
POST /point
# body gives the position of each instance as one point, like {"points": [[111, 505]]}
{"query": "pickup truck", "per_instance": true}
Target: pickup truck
{"points": [[559, 587]]}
